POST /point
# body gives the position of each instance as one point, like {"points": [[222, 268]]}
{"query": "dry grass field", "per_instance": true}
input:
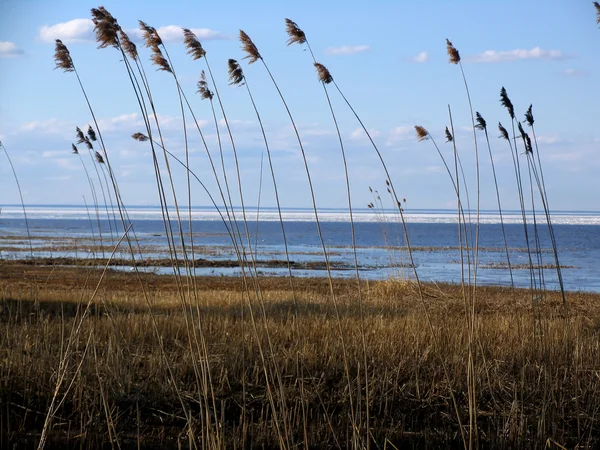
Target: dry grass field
{"points": [[130, 375]]}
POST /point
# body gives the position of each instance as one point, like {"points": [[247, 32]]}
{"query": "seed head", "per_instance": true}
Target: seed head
{"points": [[422, 133], [193, 44], [503, 132], [236, 74], [481, 123], [74, 149], [99, 158], [323, 74], [526, 139], [80, 135], [91, 133], [507, 103], [453, 55], [128, 47], [88, 143], [139, 137], [597, 6], [248, 46], [529, 116], [105, 27], [203, 89], [158, 59], [449, 137], [150, 35], [296, 35], [62, 57]]}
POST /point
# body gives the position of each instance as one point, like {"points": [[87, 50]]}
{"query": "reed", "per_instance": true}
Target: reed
{"points": [[14, 172], [75, 151], [253, 55], [296, 35]]}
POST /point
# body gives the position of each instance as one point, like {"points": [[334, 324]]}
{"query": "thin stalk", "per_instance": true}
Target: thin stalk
{"points": [[20, 196], [94, 198], [322, 240], [410, 254]]}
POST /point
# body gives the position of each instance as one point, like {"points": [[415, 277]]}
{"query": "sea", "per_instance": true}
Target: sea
{"points": [[71, 231]]}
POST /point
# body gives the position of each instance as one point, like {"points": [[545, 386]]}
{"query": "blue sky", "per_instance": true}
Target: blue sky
{"points": [[389, 58]]}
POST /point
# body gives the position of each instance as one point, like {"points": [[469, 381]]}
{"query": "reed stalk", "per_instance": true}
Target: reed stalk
{"points": [[296, 35], [94, 198], [253, 55], [14, 172]]}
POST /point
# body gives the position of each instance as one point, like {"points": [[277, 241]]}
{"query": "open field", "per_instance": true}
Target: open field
{"points": [[130, 372]]}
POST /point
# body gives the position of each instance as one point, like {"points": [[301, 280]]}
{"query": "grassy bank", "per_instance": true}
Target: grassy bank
{"points": [[130, 370]]}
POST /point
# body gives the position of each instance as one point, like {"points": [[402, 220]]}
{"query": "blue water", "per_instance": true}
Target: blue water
{"points": [[381, 246]]}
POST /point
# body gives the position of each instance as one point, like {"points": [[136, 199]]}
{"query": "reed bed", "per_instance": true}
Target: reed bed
{"points": [[526, 393]]}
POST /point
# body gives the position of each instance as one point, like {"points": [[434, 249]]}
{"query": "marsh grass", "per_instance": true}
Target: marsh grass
{"points": [[408, 391]]}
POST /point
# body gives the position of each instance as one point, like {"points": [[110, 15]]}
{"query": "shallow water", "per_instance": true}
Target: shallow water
{"points": [[381, 248]]}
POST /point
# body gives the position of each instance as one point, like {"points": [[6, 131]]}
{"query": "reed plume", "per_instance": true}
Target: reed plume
{"points": [[139, 137], [203, 90], [503, 132], [597, 6], [323, 73], [91, 134], [505, 101], [529, 120], [422, 133], [106, 28], [453, 54], [248, 46], [449, 137], [236, 74], [62, 57], [150, 35], [296, 35], [159, 60], [193, 45], [128, 46]]}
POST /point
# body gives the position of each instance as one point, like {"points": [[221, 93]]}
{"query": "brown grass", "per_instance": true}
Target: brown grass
{"points": [[527, 386]]}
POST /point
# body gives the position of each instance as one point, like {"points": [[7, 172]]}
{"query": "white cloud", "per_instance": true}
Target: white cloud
{"points": [[76, 30], [54, 126], [347, 49], [552, 139], [575, 73], [493, 56], [55, 153], [123, 122], [82, 30], [174, 33], [422, 57], [9, 50], [59, 178], [359, 134], [398, 134], [402, 131]]}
